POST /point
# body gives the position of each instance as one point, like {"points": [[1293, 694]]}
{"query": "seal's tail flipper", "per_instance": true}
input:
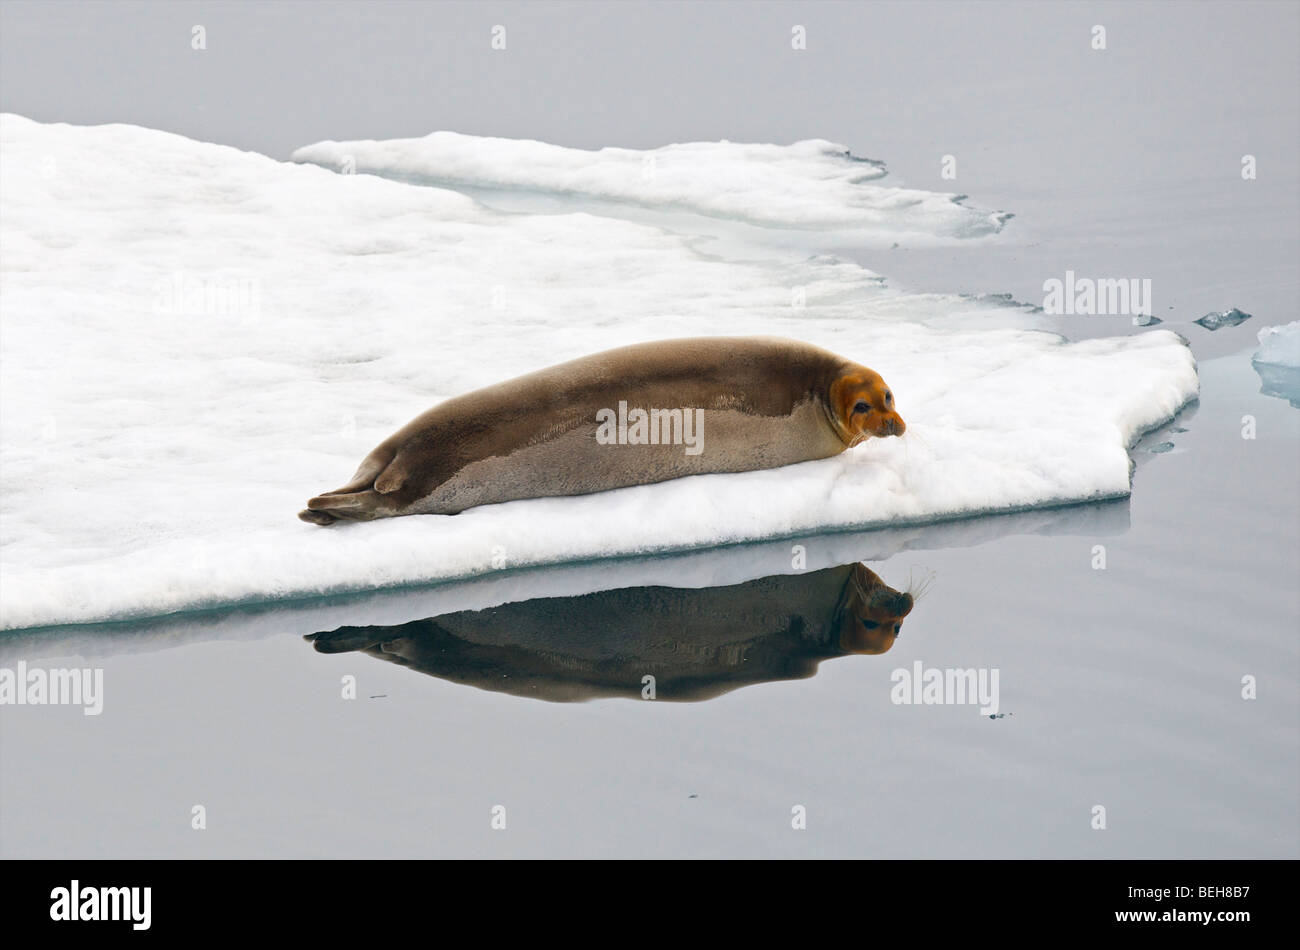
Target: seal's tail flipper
{"points": [[350, 506], [317, 517], [372, 466], [392, 478], [355, 501]]}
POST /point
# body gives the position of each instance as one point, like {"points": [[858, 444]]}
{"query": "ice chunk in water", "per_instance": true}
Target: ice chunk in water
{"points": [[1224, 318], [1279, 346]]}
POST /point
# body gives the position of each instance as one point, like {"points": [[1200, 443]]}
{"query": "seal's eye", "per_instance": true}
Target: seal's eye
{"points": [[870, 624], [861, 407], [889, 397]]}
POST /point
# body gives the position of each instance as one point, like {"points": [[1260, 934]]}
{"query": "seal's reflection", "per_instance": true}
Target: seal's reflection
{"points": [[695, 643]]}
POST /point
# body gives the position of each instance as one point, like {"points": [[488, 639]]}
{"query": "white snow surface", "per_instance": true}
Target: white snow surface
{"points": [[196, 339], [813, 184], [1279, 345]]}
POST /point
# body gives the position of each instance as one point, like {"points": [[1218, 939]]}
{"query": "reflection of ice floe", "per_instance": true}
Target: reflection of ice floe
{"points": [[1280, 381], [662, 643], [811, 184], [252, 338], [1223, 318], [1278, 362]]}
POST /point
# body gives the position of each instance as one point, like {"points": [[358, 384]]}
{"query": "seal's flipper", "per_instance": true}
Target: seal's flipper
{"points": [[317, 517], [334, 500], [356, 500], [353, 506], [392, 478], [365, 476]]}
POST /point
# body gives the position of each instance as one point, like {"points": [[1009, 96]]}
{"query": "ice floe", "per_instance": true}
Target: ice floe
{"points": [[196, 339]]}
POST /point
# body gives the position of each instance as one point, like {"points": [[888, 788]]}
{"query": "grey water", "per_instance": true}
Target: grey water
{"points": [[1126, 636]]}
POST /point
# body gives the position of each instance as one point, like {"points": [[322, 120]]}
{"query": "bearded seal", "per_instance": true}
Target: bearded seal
{"points": [[696, 643], [697, 405]]}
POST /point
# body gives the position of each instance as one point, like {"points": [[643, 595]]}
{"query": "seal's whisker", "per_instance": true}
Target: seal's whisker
{"points": [[857, 586], [913, 434], [918, 589]]}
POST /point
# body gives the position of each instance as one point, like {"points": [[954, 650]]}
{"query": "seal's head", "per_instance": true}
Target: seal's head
{"points": [[862, 406], [871, 613]]}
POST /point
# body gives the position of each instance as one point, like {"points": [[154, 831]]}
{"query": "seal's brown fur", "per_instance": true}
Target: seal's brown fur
{"points": [[767, 402]]}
